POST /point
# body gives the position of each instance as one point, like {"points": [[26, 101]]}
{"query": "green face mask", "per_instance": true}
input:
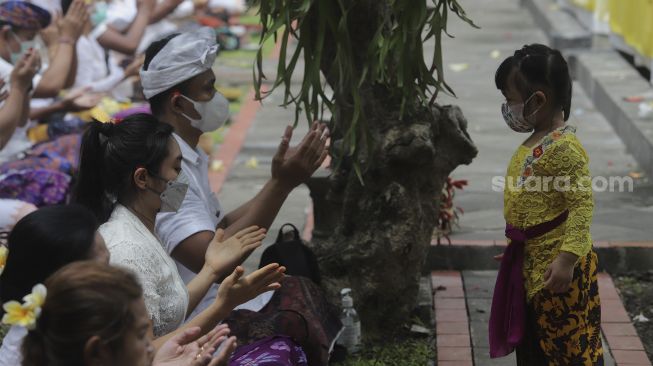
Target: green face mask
{"points": [[24, 47], [99, 13]]}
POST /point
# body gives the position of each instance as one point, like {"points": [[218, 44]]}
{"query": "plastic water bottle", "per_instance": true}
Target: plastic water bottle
{"points": [[350, 337]]}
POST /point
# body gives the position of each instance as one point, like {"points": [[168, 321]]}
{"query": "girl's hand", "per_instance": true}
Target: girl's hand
{"points": [[221, 359], [186, 349], [235, 289], [560, 272], [222, 256]]}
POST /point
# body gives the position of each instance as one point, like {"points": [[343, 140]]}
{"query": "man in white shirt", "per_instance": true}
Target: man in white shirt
{"points": [[179, 84]]}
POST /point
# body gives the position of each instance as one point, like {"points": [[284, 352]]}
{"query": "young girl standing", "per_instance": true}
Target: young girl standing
{"points": [[546, 302]]}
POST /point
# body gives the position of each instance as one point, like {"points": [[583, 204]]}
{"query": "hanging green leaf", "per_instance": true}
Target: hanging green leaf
{"points": [[393, 59]]}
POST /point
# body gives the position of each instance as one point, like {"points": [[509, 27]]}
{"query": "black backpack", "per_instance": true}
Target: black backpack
{"points": [[293, 254]]}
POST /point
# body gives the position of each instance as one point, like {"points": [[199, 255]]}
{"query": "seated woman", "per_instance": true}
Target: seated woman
{"points": [[15, 101], [40, 243], [20, 22], [130, 171], [94, 314]]}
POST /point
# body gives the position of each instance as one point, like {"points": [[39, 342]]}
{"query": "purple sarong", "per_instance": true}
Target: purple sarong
{"points": [[270, 351], [508, 314]]}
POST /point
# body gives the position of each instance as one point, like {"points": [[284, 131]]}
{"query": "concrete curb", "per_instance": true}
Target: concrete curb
{"points": [[614, 256], [560, 26], [607, 78], [617, 257]]}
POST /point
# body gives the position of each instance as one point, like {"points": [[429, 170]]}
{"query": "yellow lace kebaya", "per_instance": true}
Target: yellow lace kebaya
{"points": [[541, 183]]}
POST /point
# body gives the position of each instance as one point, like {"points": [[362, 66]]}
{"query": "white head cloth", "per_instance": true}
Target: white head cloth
{"points": [[184, 56]]}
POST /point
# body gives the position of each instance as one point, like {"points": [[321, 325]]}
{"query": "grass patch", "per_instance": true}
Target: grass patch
{"points": [[636, 290], [246, 58], [405, 350], [251, 18]]}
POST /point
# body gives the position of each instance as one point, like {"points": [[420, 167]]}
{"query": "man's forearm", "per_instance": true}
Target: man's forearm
{"points": [[260, 210], [43, 112], [55, 77]]}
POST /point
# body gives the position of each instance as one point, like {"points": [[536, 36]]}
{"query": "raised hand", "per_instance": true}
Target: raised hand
{"points": [[222, 256], [81, 99], [186, 349], [50, 34], [236, 289], [222, 359], [24, 71], [146, 6], [135, 66], [72, 24], [293, 166]]}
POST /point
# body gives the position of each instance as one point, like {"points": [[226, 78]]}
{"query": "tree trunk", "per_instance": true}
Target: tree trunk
{"points": [[383, 230]]}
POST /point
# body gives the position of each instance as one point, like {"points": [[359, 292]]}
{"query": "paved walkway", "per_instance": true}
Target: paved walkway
{"points": [[505, 26], [462, 301], [247, 154], [619, 217]]}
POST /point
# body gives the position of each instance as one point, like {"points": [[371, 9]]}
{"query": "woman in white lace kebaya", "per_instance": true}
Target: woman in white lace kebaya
{"points": [[130, 171]]}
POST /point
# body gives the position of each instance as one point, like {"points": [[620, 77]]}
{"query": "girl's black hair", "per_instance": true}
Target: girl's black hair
{"points": [[538, 66], [110, 154], [41, 243]]}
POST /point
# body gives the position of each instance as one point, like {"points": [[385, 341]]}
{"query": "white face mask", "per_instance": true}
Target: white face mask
{"points": [[214, 113], [513, 114], [174, 194]]}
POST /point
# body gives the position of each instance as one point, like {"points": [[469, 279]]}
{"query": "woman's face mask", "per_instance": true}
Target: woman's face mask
{"points": [[174, 193], [213, 113], [513, 114], [99, 13], [24, 47]]}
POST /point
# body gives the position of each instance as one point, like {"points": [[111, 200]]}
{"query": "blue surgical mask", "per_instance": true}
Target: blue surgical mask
{"points": [[24, 47], [99, 13]]}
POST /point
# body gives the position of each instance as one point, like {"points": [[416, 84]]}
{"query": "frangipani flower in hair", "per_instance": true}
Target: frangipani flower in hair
{"points": [[25, 314]]}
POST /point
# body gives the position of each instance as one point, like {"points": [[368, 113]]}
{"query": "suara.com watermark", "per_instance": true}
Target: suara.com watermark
{"points": [[564, 184]]}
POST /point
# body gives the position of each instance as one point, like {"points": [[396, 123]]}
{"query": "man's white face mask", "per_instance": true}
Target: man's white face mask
{"points": [[213, 113]]}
